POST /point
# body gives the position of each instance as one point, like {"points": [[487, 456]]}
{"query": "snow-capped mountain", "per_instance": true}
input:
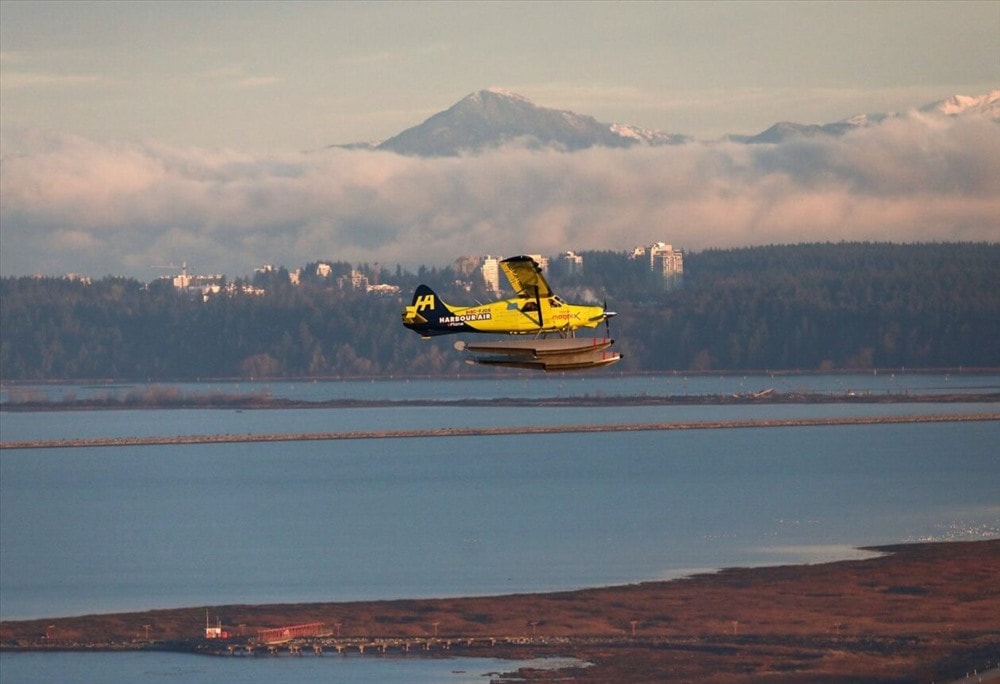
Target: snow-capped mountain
{"points": [[494, 118], [957, 105], [987, 105], [649, 136]]}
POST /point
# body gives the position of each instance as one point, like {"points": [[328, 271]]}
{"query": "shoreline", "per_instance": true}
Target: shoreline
{"points": [[485, 375], [489, 431], [165, 400], [920, 611]]}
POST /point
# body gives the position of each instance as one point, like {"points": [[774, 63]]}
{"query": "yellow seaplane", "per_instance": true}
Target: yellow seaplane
{"points": [[534, 311]]}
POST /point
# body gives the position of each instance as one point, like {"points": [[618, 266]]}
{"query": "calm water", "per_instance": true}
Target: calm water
{"points": [[127, 668], [84, 424], [535, 385], [109, 529], [124, 423]]}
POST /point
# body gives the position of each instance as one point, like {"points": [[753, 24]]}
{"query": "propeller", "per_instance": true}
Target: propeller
{"points": [[605, 315], [607, 318]]}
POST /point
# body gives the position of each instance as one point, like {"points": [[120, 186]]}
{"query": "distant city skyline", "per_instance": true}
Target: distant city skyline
{"points": [[484, 266]]}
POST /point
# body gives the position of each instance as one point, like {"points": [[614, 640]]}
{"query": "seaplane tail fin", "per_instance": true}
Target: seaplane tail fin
{"points": [[425, 311]]}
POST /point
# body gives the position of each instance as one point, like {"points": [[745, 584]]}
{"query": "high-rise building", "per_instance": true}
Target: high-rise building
{"points": [[666, 261], [542, 261], [572, 263], [490, 267], [356, 281]]}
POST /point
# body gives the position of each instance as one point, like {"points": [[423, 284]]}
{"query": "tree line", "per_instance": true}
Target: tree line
{"points": [[798, 307]]}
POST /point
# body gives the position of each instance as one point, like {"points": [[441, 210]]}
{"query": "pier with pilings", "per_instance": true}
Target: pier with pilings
{"points": [[321, 645], [279, 635]]}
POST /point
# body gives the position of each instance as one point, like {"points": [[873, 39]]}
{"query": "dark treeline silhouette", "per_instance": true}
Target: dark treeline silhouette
{"points": [[800, 307]]}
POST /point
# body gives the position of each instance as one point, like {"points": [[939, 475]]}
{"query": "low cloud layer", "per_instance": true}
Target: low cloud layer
{"points": [[70, 204]]}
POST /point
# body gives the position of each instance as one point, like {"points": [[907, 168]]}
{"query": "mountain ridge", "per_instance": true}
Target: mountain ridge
{"points": [[987, 105], [494, 117]]}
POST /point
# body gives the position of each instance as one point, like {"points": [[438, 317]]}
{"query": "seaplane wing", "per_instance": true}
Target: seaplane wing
{"points": [[526, 277]]}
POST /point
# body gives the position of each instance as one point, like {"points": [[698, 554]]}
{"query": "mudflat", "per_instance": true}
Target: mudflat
{"points": [[918, 612]]}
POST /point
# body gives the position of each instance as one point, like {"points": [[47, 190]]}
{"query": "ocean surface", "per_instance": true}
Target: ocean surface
{"points": [[100, 530], [131, 667], [532, 386]]}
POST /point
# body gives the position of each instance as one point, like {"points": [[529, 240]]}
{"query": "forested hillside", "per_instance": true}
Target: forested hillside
{"points": [[828, 307], [803, 307]]}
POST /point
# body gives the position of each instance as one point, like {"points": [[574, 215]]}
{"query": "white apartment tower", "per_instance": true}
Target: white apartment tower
{"points": [[666, 261], [542, 261], [572, 263], [490, 267]]}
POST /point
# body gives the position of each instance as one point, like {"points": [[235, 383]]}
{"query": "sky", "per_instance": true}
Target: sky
{"points": [[135, 134]]}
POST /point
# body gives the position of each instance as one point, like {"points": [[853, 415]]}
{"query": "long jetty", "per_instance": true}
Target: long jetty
{"points": [[488, 431], [319, 645]]}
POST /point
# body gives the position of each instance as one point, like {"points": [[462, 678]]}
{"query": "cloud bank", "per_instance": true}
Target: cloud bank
{"points": [[70, 204]]}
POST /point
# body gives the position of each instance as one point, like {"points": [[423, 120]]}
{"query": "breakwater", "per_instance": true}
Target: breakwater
{"points": [[487, 431], [162, 399]]}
